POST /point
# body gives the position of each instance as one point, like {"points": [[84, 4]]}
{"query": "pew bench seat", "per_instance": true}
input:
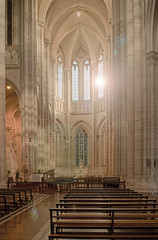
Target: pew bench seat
{"points": [[82, 223], [80, 215], [126, 236], [136, 224]]}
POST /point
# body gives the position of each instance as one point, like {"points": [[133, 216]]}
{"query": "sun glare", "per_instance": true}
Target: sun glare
{"points": [[100, 82]]}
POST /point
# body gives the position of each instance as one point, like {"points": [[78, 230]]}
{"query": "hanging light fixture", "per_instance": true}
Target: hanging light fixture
{"points": [[78, 11], [8, 87]]}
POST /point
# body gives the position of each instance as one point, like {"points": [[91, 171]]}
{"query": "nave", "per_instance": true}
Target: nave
{"points": [[33, 223]]}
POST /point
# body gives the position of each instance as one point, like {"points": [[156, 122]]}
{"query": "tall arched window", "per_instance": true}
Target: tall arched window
{"points": [[9, 21], [100, 77], [60, 78], [81, 148], [87, 80], [75, 81]]}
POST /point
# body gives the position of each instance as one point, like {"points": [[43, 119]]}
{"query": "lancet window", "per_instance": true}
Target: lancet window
{"points": [[81, 147]]}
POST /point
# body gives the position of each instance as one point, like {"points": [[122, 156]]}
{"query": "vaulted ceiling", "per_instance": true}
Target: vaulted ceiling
{"points": [[64, 27]]}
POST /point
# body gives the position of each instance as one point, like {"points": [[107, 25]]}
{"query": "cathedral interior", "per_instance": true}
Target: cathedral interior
{"points": [[78, 90], [78, 119]]}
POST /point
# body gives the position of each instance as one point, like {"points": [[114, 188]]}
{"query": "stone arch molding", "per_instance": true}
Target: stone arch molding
{"points": [[85, 170], [96, 16], [44, 7], [84, 125], [60, 126], [101, 125], [151, 18], [59, 147], [102, 147]]}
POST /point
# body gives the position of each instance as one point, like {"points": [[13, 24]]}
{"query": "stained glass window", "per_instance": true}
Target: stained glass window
{"points": [[81, 148], [9, 22], [77, 149], [85, 150]]}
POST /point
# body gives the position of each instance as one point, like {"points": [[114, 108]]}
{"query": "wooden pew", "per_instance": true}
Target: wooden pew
{"points": [[16, 198], [138, 196], [114, 219], [11, 200], [25, 195], [104, 214], [95, 182], [104, 194], [106, 204], [103, 200], [4, 207], [20, 196], [89, 190]]}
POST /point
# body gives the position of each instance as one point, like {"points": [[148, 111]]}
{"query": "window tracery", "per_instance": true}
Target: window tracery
{"points": [[100, 76], [81, 148], [60, 77], [75, 81], [87, 80], [81, 78]]}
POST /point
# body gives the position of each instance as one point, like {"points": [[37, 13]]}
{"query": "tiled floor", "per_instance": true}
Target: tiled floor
{"points": [[33, 222]]}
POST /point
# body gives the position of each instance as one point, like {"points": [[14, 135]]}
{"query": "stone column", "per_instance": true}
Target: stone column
{"points": [[47, 117], [130, 91], [53, 99], [3, 179], [108, 89], [122, 169], [114, 164], [29, 85], [93, 165], [70, 162], [8, 142], [25, 88], [138, 95], [42, 79], [152, 86]]}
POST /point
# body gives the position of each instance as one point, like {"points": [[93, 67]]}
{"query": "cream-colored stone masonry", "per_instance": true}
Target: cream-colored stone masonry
{"points": [[122, 127], [3, 180]]}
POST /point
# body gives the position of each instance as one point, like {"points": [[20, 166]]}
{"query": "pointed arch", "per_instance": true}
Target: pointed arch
{"points": [[150, 8], [59, 143], [101, 123], [102, 146], [13, 128], [81, 146], [79, 124]]}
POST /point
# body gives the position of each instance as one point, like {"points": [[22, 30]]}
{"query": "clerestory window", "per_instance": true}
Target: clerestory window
{"points": [[87, 80], [75, 81], [81, 80], [60, 78], [100, 77]]}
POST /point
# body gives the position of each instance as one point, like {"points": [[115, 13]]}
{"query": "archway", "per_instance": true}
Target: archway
{"points": [[13, 132]]}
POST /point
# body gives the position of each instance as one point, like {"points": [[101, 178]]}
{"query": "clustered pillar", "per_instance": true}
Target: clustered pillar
{"points": [[3, 182]]}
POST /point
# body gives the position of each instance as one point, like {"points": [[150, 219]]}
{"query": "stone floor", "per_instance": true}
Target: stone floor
{"points": [[33, 222]]}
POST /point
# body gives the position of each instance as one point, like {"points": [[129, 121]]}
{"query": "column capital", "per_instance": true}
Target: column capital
{"points": [[53, 59], [47, 41], [152, 58], [108, 39], [42, 24]]}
